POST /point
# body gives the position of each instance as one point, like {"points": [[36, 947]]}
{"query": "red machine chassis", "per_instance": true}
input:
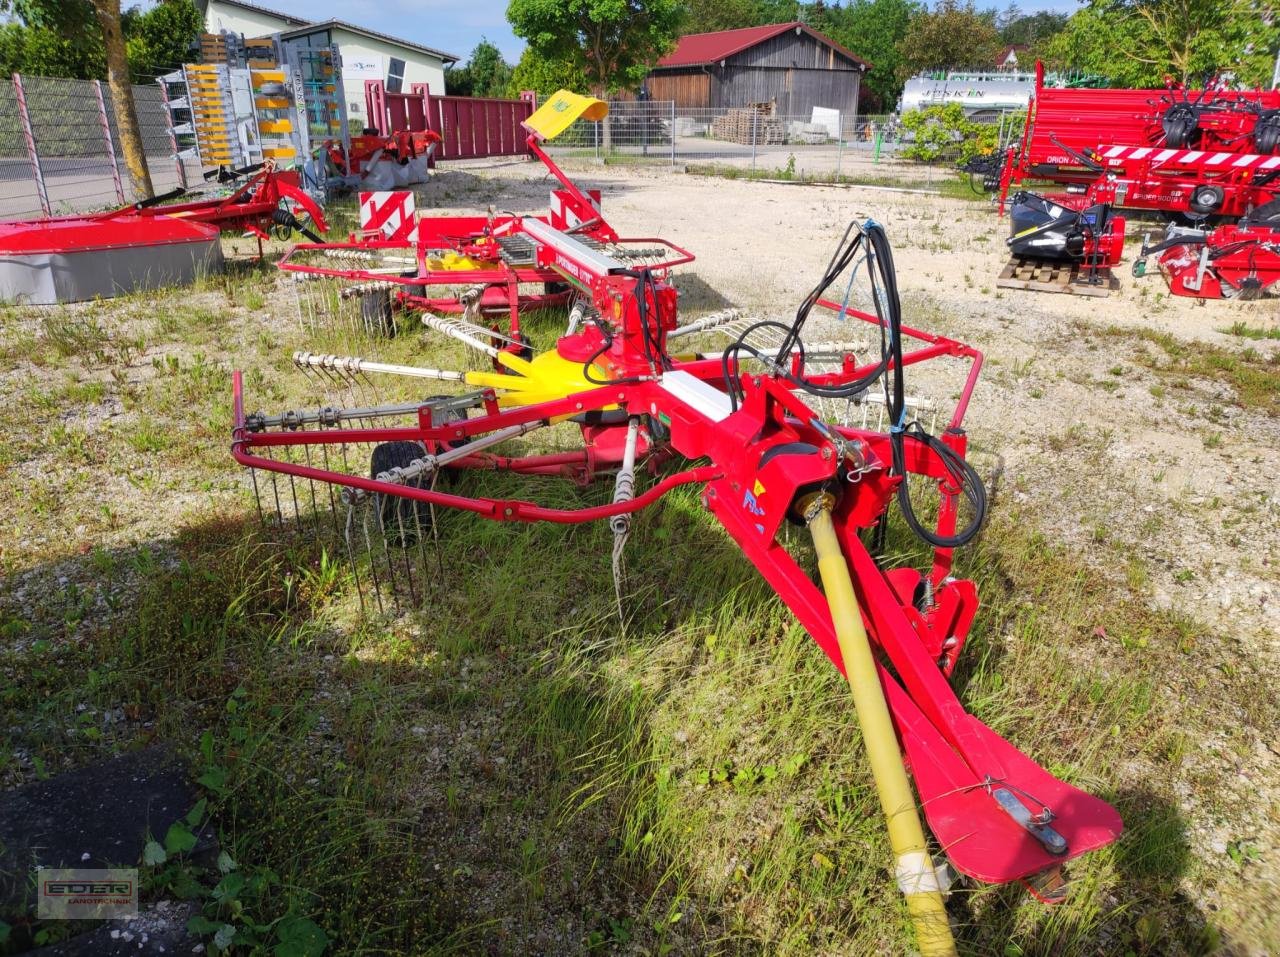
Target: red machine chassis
{"points": [[1114, 146], [762, 456]]}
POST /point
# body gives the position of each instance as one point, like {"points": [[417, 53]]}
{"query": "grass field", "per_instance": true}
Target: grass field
{"points": [[507, 768]]}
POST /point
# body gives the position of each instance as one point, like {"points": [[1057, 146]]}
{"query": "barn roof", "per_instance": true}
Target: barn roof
{"points": [[699, 49]]}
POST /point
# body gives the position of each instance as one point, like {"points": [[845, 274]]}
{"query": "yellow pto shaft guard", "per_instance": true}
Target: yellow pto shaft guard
{"points": [[915, 871]]}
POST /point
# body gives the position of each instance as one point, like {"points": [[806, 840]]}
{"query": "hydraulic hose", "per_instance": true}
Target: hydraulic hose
{"points": [[915, 872]]}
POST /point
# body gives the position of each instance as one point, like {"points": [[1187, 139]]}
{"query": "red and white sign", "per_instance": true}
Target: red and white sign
{"points": [[390, 213], [568, 213], [1197, 159]]}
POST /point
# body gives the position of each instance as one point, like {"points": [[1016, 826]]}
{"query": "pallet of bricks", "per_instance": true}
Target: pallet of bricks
{"points": [[752, 125]]}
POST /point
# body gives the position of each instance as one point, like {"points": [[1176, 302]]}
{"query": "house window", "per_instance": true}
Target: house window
{"points": [[395, 75]]}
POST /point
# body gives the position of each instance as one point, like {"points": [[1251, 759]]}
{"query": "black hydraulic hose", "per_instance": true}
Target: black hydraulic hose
{"points": [[963, 475], [282, 217]]}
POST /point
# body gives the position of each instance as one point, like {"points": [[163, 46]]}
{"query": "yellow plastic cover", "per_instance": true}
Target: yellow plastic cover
{"points": [[557, 114]]}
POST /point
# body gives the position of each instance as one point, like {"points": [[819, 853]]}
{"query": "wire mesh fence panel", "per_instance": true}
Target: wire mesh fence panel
{"points": [[80, 159], [18, 193], [756, 141], [153, 125], [67, 125]]}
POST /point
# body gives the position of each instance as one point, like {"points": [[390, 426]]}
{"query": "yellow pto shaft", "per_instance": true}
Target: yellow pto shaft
{"points": [[915, 871]]}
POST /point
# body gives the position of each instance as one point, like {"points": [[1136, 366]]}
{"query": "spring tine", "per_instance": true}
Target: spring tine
{"points": [[333, 505], [404, 551], [435, 531], [315, 508], [386, 553], [297, 512], [373, 561], [275, 493], [421, 545], [345, 534], [257, 496]]}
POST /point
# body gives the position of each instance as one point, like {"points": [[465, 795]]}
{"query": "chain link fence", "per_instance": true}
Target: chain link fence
{"points": [[816, 145], [60, 147]]}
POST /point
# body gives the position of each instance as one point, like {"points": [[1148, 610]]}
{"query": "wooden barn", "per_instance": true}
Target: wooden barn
{"points": [[787, 64]]}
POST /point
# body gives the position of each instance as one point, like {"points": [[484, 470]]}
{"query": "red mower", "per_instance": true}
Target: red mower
{"points": [[151, 243]]}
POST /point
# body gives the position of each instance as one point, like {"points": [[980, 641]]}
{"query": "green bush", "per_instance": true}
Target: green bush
{"points": [[945, 134]]}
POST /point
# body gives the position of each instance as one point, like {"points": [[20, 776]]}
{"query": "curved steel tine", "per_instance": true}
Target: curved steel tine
{"points": [[345, 534], [376, 504], [365, 508]]}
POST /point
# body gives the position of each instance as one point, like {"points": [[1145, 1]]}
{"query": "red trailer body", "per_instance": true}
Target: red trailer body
{"points": [[1201, 153]]}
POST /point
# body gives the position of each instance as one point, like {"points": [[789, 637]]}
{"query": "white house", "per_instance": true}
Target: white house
{"points": [[366, 54]]}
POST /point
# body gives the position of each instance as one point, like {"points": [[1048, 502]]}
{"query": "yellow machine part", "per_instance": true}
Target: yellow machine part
{"points": [[544, 378], [558, 113], [452, 262], [915, 871]]}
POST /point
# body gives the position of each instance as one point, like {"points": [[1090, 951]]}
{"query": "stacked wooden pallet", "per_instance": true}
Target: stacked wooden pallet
{"points": [[213, 48], [748, 126], [1040, 276]]}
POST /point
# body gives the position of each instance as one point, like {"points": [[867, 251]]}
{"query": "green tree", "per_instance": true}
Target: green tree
{"points": [[950, 35], [945, 134], [1033, 29], [485, 73], [1138, 42], [545, 76], [612, 42], [872, 29], [42, 52], [160, 40], [708, 16], [74, 21]]}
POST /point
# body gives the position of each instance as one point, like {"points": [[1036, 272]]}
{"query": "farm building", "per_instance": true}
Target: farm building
{"points": [[787, 64]]}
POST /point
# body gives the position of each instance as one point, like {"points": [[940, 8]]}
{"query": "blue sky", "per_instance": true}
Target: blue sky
{"points": [[456, 26]]}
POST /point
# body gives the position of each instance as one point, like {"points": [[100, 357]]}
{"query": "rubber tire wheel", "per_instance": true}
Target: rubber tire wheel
{"points": [[1206, 200], [401, 518], [1268, 214], [377, 312]]}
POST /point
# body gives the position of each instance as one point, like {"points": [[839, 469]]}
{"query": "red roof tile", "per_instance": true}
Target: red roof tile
{"points": [[697, 49]]}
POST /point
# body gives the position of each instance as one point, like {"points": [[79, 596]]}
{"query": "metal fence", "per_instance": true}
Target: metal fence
{"points": [[763, 144], [659, 132], [60, 148]]}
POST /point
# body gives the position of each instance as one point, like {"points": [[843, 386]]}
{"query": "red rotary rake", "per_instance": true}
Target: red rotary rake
{"points": [[755, 425]]}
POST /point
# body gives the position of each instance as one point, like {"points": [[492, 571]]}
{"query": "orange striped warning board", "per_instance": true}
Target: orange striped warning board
{"points": [[391, 213]]}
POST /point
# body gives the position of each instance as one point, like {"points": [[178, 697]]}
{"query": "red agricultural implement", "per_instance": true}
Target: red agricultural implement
{"points": [[1229, 262], [376, 161], [150, 243], [481, 272], [1196, 153], [776, 429]]}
